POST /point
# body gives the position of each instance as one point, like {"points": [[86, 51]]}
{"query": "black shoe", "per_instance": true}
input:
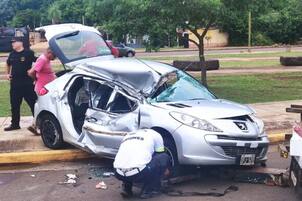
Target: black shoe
{"points": [[156, 192], [126, 191], [146, 195], [33, 130], [11, 128]]}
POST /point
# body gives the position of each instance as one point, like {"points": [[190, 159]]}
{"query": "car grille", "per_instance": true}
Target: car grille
{"points": [[237, 151], [224, 137]]}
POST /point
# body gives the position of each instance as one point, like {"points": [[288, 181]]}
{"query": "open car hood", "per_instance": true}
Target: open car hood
{"points": [[53, 30]]}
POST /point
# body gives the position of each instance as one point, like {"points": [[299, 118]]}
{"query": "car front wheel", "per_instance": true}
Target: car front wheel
{"points": [[130, 54], [51, 132]]}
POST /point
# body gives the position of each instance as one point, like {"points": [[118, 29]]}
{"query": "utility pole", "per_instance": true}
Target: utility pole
{"points": [[83, 19], [250, 31]]}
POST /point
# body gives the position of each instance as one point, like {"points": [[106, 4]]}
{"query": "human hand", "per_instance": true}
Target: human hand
{"points": [[8, 77]]}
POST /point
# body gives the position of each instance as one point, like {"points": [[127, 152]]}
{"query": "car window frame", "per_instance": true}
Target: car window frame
{"points": [[117, 91], [112, 97]]}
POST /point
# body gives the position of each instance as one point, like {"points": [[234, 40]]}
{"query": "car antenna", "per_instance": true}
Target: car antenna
{"points": [[147, 65]]}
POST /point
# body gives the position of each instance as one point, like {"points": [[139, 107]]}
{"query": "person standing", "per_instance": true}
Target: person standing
{"points": [[19, 61], [141, 158], [42, 70]]}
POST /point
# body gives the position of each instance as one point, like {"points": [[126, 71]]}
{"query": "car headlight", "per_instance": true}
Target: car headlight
{"points": [[259, 123], [194, 122]]}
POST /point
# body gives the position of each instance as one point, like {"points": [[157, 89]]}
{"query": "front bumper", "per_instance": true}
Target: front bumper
{"points": [[195, 147]]}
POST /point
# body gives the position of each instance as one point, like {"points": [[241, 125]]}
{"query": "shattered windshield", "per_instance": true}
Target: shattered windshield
{"points": [[178, 86], [82, 44]]}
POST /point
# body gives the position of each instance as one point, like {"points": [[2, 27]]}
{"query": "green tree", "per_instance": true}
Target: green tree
{"points": [[54, 13], [68, 10], [194, 15], [7, 11]]}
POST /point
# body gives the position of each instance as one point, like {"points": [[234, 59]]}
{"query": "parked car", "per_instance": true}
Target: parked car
{"points": [[124, 51], [98, 99], [6, 35]]}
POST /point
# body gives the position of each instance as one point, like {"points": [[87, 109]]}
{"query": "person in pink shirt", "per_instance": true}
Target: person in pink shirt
{"points": [[42, 70]]}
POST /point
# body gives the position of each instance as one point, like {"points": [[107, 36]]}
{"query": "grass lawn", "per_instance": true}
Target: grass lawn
{"points": [[56, 67], [257, 88], [227, 55], [4, 101], [239, 88], [250, 64]]}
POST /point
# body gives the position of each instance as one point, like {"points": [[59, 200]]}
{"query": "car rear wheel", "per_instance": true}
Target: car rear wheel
{"points": [[51, 132], [130, 54]]}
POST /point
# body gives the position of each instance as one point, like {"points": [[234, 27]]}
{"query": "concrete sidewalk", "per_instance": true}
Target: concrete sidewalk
{"points": [[23, 146], [276, 119]]}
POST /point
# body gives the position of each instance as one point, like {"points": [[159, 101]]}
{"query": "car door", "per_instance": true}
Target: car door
{"points": [[110, 116], [122, 50]]}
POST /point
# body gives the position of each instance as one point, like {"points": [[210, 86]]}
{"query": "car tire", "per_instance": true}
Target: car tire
{"points": [[130, 54], [51, 132], [171, 150]]}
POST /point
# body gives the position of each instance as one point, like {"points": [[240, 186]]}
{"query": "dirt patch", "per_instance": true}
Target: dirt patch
{"points": [[278, 125], [39, 47]]}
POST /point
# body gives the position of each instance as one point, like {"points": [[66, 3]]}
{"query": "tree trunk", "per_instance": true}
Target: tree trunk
{"points": [[202, 61]]}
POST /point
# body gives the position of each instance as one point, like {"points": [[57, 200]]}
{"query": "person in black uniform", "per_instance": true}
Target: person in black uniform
{"points": [[19, 61]]}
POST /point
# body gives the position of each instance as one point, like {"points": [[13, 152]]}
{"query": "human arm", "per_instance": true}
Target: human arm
{"points": [[8, 68], [32, 73], [38, 66]]}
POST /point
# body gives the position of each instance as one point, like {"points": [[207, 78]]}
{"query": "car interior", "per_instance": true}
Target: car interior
{"points": [[78, 99], [89, 93]]}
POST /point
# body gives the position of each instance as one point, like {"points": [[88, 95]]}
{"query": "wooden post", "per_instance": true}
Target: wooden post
{"points": [[250, 31]]}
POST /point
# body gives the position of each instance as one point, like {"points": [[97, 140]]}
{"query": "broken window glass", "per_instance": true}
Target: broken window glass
{"points": [[121, 104], [178, 86]]}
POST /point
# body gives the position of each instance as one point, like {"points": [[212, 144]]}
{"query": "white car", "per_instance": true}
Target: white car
{"points": [[98, 99]]}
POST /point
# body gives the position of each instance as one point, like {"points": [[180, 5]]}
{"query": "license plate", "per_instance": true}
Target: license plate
{"points": [[247, 159]]}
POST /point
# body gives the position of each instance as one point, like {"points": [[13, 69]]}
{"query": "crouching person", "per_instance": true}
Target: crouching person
{"points": [[142, 159]]}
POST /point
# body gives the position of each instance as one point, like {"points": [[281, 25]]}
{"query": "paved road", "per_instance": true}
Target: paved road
{"points": [[207, 51], [42, 183], [215, 51]]}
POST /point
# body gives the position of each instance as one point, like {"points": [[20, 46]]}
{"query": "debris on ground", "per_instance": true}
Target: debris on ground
{"points": [[33, 175], [100, 172], [70, 179], [101, 185], [108, 174]]}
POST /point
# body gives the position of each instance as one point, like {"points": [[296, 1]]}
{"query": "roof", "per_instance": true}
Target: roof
{"points": [[140, 75], [52, 30]]}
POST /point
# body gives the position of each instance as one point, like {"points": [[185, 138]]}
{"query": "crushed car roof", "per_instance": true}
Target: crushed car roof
{"points": [[140, 75]]}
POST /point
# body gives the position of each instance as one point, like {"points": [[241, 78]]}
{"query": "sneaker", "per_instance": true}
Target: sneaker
{"points": [[11, 128], [33, 130]]}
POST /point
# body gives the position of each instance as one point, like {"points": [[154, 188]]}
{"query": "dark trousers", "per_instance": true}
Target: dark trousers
{"points": [[150, 176], [17, 93]]}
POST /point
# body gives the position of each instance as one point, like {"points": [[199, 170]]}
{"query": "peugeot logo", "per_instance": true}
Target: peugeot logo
{"points": [[241, 125]]}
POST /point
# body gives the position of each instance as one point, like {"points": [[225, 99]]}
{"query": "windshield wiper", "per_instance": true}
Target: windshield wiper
{"points": [[69, 34]]}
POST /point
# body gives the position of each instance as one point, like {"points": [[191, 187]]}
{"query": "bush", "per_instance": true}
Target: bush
{"points": [[261, 39]]}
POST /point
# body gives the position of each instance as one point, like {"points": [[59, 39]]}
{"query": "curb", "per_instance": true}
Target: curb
{"points": [[74, 154], [43, 156], [276, 138]]}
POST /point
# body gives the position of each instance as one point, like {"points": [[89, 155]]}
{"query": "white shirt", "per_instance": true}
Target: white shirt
{"points": [[137, 149]]}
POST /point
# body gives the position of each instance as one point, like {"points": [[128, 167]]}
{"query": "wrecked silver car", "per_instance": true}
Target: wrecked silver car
{"points": [[98, 99]]}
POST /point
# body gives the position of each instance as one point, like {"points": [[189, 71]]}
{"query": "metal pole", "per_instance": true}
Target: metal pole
{"points": [[250, 31]]}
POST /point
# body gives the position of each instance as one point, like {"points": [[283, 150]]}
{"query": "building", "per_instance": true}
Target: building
{"points": [[214, 38]]}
